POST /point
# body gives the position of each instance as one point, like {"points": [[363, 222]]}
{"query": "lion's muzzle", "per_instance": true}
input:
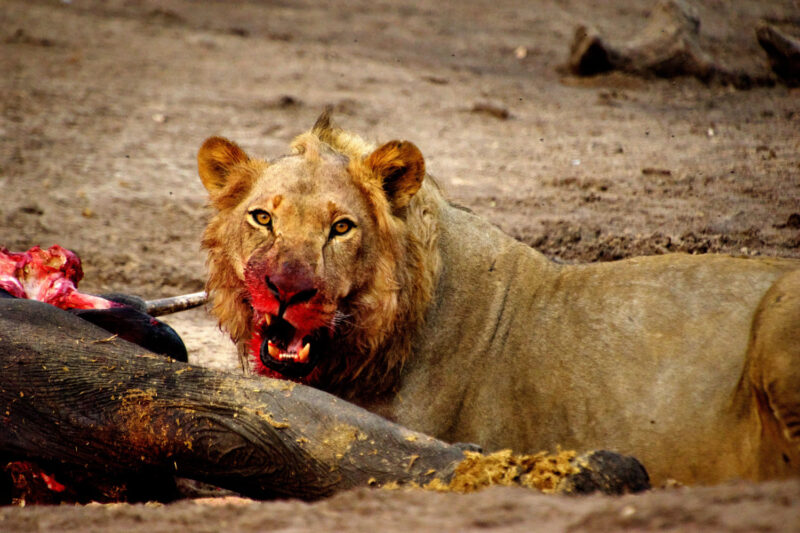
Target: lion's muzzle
{"points": [[291, 317]]}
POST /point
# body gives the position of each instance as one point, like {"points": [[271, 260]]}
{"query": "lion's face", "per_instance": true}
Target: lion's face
{"points": [[303, 235], [306, 248]]}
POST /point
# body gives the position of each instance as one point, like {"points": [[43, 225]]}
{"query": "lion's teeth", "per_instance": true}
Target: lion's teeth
{"points": [[302, 355], [273, 350], [268, 319]]}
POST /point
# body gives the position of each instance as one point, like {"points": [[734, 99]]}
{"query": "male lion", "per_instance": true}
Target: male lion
{"points": [[342, 266]]}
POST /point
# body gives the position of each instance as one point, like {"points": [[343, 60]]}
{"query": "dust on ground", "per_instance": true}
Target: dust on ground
{"points": [[105, 103]]}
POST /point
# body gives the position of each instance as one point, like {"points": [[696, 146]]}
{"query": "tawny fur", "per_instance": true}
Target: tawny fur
{"points": [[690, 363]]}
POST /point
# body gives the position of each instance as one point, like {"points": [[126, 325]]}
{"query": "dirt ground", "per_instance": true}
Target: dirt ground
{"points": [[104, 104]]}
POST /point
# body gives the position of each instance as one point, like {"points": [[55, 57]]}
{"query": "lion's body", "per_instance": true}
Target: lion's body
{"points": [[642, 356], [689, 363]]}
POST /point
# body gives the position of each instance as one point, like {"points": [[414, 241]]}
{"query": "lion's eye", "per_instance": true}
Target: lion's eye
{"points": [[341, 227], [261, 217]]}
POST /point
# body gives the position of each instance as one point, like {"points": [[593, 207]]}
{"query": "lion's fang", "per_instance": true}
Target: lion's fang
{"points": [[273, 350], [302, 355]]}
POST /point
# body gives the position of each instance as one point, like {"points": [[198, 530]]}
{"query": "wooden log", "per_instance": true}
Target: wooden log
{"points": [[72, 394], [783, 51], [667, 46]]}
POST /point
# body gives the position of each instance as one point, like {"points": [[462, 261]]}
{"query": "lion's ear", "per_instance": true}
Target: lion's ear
{"points": [[215, 160], [401, 168], [323, 126]]}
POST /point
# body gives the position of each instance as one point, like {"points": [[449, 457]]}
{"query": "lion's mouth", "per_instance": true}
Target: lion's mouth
{"points": [[287, 351]]}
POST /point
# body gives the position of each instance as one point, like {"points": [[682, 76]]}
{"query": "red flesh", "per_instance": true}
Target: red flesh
{"points": [[50, 276]]}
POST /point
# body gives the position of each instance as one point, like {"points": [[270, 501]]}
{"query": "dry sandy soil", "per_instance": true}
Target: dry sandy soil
{"points": [[104, 104]]}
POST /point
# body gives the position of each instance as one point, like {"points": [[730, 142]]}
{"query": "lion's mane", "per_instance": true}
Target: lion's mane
{"points": [[374, 339]]}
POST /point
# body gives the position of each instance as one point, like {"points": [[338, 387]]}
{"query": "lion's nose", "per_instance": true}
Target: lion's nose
{"points": [[290, 293]]}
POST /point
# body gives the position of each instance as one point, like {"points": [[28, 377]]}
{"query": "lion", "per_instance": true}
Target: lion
{"points": [[342, 266]]}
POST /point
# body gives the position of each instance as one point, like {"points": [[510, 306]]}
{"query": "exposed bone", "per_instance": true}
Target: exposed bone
{"points": [[174, 304]]}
